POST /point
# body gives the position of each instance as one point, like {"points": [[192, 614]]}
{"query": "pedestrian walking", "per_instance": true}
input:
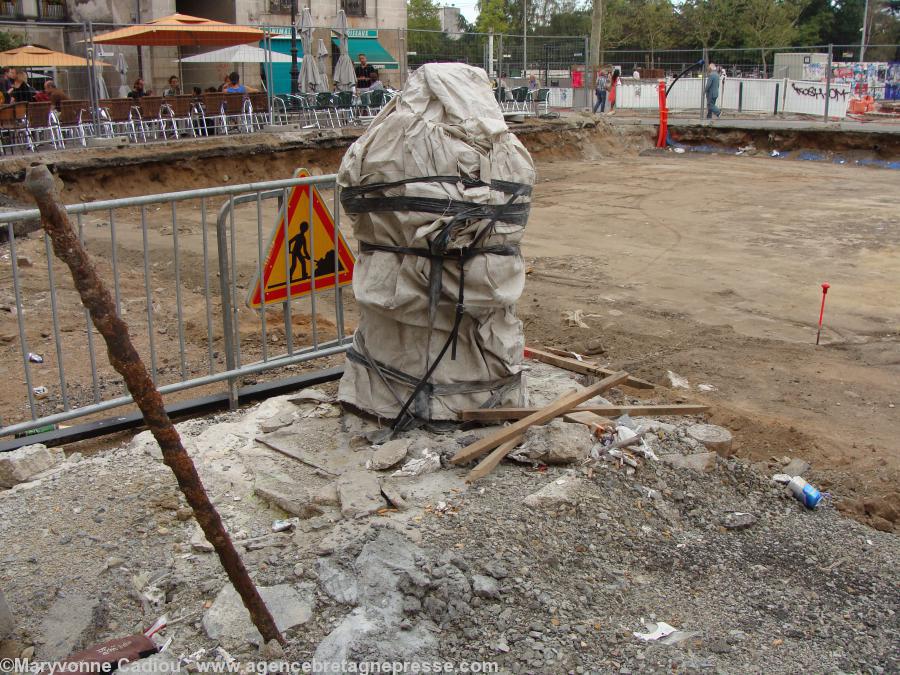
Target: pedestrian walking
{"points": [[600, 89], [712, 92], [613, 86]]}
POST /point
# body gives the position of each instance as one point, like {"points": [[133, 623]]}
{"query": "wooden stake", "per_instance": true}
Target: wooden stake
{"points": [[561, 405], [582, 367], [490, 462], [127, 362], [501, 414]]}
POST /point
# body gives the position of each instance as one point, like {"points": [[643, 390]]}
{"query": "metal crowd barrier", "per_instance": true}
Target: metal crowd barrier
{"points": [[224, 251]]}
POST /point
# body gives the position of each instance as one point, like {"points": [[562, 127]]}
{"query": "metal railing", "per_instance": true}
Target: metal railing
{"points": [[161, 255], [11, 9]]}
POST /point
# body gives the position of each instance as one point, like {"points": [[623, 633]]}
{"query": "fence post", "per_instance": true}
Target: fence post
{"points": [[404, 57], [227, 317], [588, 75], [828, 80], [525, 39], [490, 58], [92, 76], [703, 72], [500, 61]]}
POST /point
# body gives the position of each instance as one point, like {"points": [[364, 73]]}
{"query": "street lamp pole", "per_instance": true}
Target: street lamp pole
{"points": [[295, 73], [140, 59], [862, 42], [525, 38]]}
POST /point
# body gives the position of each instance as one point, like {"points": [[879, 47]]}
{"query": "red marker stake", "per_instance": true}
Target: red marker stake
{"points": [[825, 288]]}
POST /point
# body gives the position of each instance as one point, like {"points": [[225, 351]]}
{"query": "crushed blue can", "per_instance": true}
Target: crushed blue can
{"points": [[805, 493]]}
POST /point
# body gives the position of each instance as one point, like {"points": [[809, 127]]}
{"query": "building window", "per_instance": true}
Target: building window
{"points": [[281, 7], [354, 7], [10, 9], [52, 9]]}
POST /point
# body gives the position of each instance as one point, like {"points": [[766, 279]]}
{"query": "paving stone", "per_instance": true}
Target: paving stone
{"points": [[67, 626], [701, 461], [360, 494], [19, 466], [227, 620], [389, 454], [562, 491]]}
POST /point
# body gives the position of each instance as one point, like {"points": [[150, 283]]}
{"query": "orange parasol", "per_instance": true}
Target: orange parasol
{"points": [[181, 30], [30, 56]]}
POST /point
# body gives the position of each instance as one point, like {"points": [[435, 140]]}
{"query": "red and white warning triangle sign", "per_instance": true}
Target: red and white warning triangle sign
{"points": [[302, 251]]}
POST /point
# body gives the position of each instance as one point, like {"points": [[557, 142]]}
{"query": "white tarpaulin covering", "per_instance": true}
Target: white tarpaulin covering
{"points": [[238, 54], [447, 124]]}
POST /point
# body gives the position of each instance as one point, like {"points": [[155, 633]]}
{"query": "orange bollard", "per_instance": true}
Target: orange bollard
{"points": [[663, 116]]}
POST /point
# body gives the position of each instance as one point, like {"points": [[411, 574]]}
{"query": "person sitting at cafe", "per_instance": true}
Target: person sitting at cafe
{"points": [[174, 88], [137, 91], [235, 86], [20, 91], [376, 82], [364, 73], [54, 94]]}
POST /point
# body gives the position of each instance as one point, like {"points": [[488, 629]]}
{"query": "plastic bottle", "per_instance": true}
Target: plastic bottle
{"points": [[804, 492]]}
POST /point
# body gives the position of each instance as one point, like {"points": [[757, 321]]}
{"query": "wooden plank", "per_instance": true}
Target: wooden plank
{"points": [[592, 421], [561, 405], [582, 367], [490, 462], [500, 414]]}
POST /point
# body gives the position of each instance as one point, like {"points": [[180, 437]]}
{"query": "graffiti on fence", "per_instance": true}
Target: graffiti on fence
{"points": [[892, 82], [815, 91]]}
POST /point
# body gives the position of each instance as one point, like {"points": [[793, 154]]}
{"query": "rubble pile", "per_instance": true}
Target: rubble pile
{"points": [[573, 556]]}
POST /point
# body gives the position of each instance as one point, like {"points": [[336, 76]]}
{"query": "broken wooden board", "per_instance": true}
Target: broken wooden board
{"points": [[592, 421], [582, 367], [560, 406], [500, 414], [490, 462]]}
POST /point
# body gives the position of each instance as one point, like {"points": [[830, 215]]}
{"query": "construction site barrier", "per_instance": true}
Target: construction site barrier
{"points": [[170, 235]]}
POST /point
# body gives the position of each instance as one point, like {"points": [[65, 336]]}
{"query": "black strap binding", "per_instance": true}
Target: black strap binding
{"points": [[462, 213]]}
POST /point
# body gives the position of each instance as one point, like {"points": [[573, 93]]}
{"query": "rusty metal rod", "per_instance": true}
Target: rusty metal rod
{"points": [[127, 362]]}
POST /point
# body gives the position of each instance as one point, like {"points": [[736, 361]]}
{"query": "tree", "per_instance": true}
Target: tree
{"points": [[596, 34], [655, 23], [816, 23], [771, 23], [424, 37], [422, 15], [577, 22], [709, 22], [493, 16], [10, 40]]}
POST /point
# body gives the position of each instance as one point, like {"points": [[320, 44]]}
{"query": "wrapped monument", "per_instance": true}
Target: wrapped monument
{"points": [[438, 191]]}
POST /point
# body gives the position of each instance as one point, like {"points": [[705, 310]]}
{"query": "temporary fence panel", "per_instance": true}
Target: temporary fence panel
{"points": [[809, 98], [686, 94], [562, 97], [177, 271], [637, 94], [750, 95]]}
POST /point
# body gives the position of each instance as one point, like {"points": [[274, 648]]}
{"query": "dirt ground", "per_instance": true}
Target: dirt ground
{"points": [[708, 266], [711, 267]]}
